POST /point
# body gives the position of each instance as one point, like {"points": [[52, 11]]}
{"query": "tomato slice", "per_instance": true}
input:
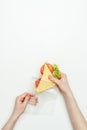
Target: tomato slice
{"points": [[51, 68], [37, 82], [42, 69]]}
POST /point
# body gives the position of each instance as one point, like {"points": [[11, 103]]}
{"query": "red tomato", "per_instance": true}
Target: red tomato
{"points": [[37, 82], [49, 66], [42, 69]]}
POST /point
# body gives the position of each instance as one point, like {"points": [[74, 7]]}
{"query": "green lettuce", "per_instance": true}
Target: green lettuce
{"points": [[56, 72]]}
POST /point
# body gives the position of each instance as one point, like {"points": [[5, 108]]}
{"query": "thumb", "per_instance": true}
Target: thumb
{"points": [[26, 100], [55, 80]]}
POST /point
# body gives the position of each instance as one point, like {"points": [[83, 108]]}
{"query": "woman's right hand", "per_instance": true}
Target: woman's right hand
{"points": [[22, 101], [62, 84], [77, 119]]}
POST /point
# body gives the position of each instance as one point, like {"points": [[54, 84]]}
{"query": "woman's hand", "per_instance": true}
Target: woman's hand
{"points": [[77, 118], [22, 101], [62, 84], [20, 106]]}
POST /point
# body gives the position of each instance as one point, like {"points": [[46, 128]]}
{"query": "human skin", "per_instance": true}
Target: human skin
{"points": [[77, 119], [19, 108]]}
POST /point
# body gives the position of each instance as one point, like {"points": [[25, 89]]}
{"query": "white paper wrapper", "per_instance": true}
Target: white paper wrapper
{"points": [[46, 104]]}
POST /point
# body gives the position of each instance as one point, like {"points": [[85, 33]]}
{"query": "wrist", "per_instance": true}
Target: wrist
{"points": [[14, 116], [68, 94]]}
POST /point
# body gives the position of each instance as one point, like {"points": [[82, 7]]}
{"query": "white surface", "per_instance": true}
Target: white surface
{"points": [[35, 31]]}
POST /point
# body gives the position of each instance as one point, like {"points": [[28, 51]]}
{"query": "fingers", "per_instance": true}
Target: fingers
{"points": [[22, 96], [30, 94], [30, 100], [33, 100], [26, 94], [56, 81], [26, 100], [62, 74]]}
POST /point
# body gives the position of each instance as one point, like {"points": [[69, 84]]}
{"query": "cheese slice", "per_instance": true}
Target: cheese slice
{"points": [[45, 83]]}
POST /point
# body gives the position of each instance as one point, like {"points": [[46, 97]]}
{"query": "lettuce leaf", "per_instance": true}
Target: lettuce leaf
{"points": [[56, 72]]}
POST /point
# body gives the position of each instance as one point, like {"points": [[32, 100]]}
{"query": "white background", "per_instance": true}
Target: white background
{"points": [[35, 31]]}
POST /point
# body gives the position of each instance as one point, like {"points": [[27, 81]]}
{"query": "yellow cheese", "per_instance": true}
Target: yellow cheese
{"points": [[45, 83]]}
